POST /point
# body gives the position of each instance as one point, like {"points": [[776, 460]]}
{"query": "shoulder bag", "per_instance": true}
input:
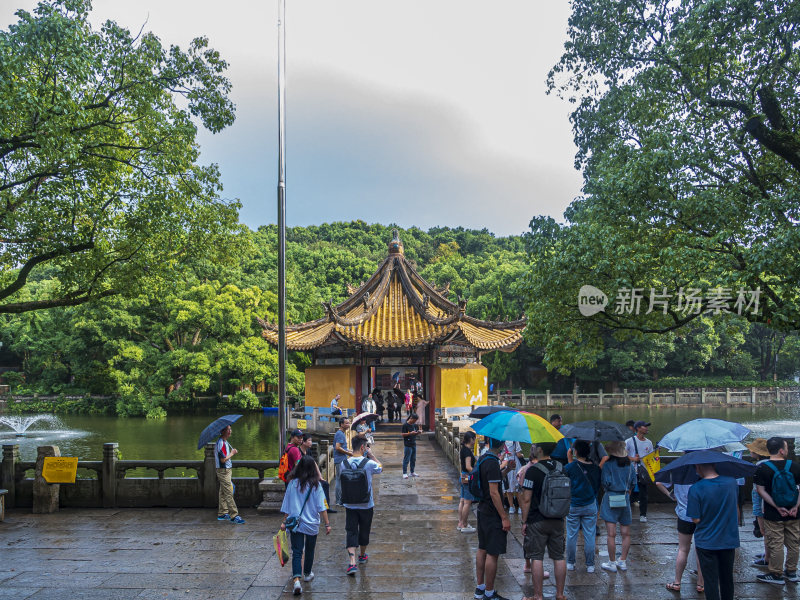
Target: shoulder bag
{"points": [[293, 522]]}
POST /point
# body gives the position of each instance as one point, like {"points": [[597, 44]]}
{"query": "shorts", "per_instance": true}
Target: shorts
{"points": [[512, 484], [615, 515], [686, 527], [548, 533], [758, 503], [491, 536], [465, 495]]}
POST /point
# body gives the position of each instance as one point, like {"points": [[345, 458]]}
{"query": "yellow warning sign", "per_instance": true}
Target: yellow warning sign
{"points": [[60, 469], [302, 424]]}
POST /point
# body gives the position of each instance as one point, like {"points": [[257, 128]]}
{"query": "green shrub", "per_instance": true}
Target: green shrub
{"points": [[703, 382], [244, 400]]}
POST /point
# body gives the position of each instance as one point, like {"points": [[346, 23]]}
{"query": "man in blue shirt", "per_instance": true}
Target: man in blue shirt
{"points": [[335, 408], [359, 516], [340, 452], [712, 506]]}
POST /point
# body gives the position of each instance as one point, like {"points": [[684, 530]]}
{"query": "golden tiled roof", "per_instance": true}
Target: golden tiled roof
{"points": [[397, 308]]}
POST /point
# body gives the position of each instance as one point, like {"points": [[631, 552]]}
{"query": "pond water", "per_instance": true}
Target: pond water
{"points": [[255, 435]]}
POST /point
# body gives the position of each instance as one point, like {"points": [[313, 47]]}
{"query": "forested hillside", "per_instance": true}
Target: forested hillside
{"points": [[197, 335]]}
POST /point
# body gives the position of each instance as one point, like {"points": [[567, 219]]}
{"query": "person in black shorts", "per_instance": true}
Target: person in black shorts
{"points": [[493, 523]]}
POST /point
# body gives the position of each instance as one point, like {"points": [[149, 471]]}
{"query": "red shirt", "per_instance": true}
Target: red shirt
{"points": [[293, 455]]}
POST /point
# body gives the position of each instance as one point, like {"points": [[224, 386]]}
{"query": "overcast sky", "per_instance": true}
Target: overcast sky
{"points": [[417, 112]]}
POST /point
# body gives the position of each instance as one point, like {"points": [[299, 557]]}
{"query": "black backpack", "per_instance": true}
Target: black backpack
{"points": [[474, 483], [354, 483], [556, 492]]}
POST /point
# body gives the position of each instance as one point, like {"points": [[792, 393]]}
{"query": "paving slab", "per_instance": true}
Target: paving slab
{"points": [[415, 551]]}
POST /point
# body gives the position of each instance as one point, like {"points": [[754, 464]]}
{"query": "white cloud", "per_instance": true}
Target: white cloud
{"points": [[426, 112]]}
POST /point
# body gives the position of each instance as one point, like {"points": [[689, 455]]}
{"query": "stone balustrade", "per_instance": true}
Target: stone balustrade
{"points": [[675, 397], [113, 485]]}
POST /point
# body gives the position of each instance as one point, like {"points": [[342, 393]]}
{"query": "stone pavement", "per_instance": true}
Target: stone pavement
{"points": [[415, 554]]}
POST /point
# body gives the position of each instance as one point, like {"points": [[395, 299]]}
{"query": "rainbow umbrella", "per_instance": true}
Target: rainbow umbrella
{"points": [[511, 426]]}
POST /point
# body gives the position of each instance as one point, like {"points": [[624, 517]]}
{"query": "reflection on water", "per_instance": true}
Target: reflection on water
{"points": [[255, 436]]}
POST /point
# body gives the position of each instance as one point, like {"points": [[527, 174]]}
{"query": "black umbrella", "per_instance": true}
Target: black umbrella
{"points": [[596, 431], [682, 470], [212, 432], [485, 411]]}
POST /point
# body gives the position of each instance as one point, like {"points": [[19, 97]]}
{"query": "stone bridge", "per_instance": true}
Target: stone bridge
{"points": [[415, 551]]}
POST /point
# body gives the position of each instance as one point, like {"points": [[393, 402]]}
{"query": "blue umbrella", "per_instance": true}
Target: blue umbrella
{"points": [[212, 432], [681, 470], [701, 434]]}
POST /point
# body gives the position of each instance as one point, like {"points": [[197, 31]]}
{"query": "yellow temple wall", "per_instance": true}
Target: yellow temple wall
{"points": [[461, 385], [323, 383]]}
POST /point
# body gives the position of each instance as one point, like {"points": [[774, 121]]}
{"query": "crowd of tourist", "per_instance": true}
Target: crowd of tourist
{"points": [[561, 491], [604, 483]]}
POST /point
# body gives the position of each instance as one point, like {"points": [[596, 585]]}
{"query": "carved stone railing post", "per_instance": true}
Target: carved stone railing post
{"points": [[8, 480], [272, 489], [45, 495], [109, 474]]}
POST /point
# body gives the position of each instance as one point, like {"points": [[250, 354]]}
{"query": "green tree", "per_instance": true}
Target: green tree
{"points": [[687, 130], [99, 179]]}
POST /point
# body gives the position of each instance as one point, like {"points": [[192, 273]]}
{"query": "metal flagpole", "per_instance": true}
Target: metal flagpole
{"points": [[282, 225]]}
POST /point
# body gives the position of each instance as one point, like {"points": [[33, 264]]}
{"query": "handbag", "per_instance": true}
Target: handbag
{"points": [[293, 522], [617, 500], [281, 543]]}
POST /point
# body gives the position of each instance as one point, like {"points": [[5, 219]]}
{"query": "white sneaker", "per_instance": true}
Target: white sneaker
{"points": [[405, 475], [609, 566], [308, 577], [298, 589], [414, 475], [468, 529], [622, 565], [570, 566], [590, 569], [642, 519]]}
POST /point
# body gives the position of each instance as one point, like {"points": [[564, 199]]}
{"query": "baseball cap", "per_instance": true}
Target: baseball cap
{"points": [[296, 433], [640, 424]]}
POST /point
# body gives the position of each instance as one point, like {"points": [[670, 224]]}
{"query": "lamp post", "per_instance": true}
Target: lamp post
{"points": [[282, 225]]}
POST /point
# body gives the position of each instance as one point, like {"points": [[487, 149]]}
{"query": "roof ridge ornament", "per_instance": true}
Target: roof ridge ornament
{"points": [[396, 245], [331, 309], [352, 289]]}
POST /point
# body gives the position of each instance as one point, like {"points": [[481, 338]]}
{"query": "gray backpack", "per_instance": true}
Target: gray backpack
{"points": [[556, 492]]}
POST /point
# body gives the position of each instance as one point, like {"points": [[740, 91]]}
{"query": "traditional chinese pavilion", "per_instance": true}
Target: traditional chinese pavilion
{"points": [[398, 328]]}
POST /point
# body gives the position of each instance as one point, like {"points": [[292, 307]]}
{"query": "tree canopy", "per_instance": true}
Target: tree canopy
{"points": [[99, 179], [687, 127]]}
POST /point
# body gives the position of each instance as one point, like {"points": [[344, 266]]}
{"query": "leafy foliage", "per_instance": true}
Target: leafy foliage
{"points": [[99, 179], [687, 128]]}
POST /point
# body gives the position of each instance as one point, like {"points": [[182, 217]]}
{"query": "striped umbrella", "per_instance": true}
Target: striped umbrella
{"points": [[511, 426]]}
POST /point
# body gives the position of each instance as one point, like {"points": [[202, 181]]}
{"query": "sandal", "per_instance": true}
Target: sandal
{"points": [[674, 587], [700, 589]]}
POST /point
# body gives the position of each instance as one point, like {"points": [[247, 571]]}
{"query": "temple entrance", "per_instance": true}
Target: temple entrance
{"points": [[405, 378]]}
